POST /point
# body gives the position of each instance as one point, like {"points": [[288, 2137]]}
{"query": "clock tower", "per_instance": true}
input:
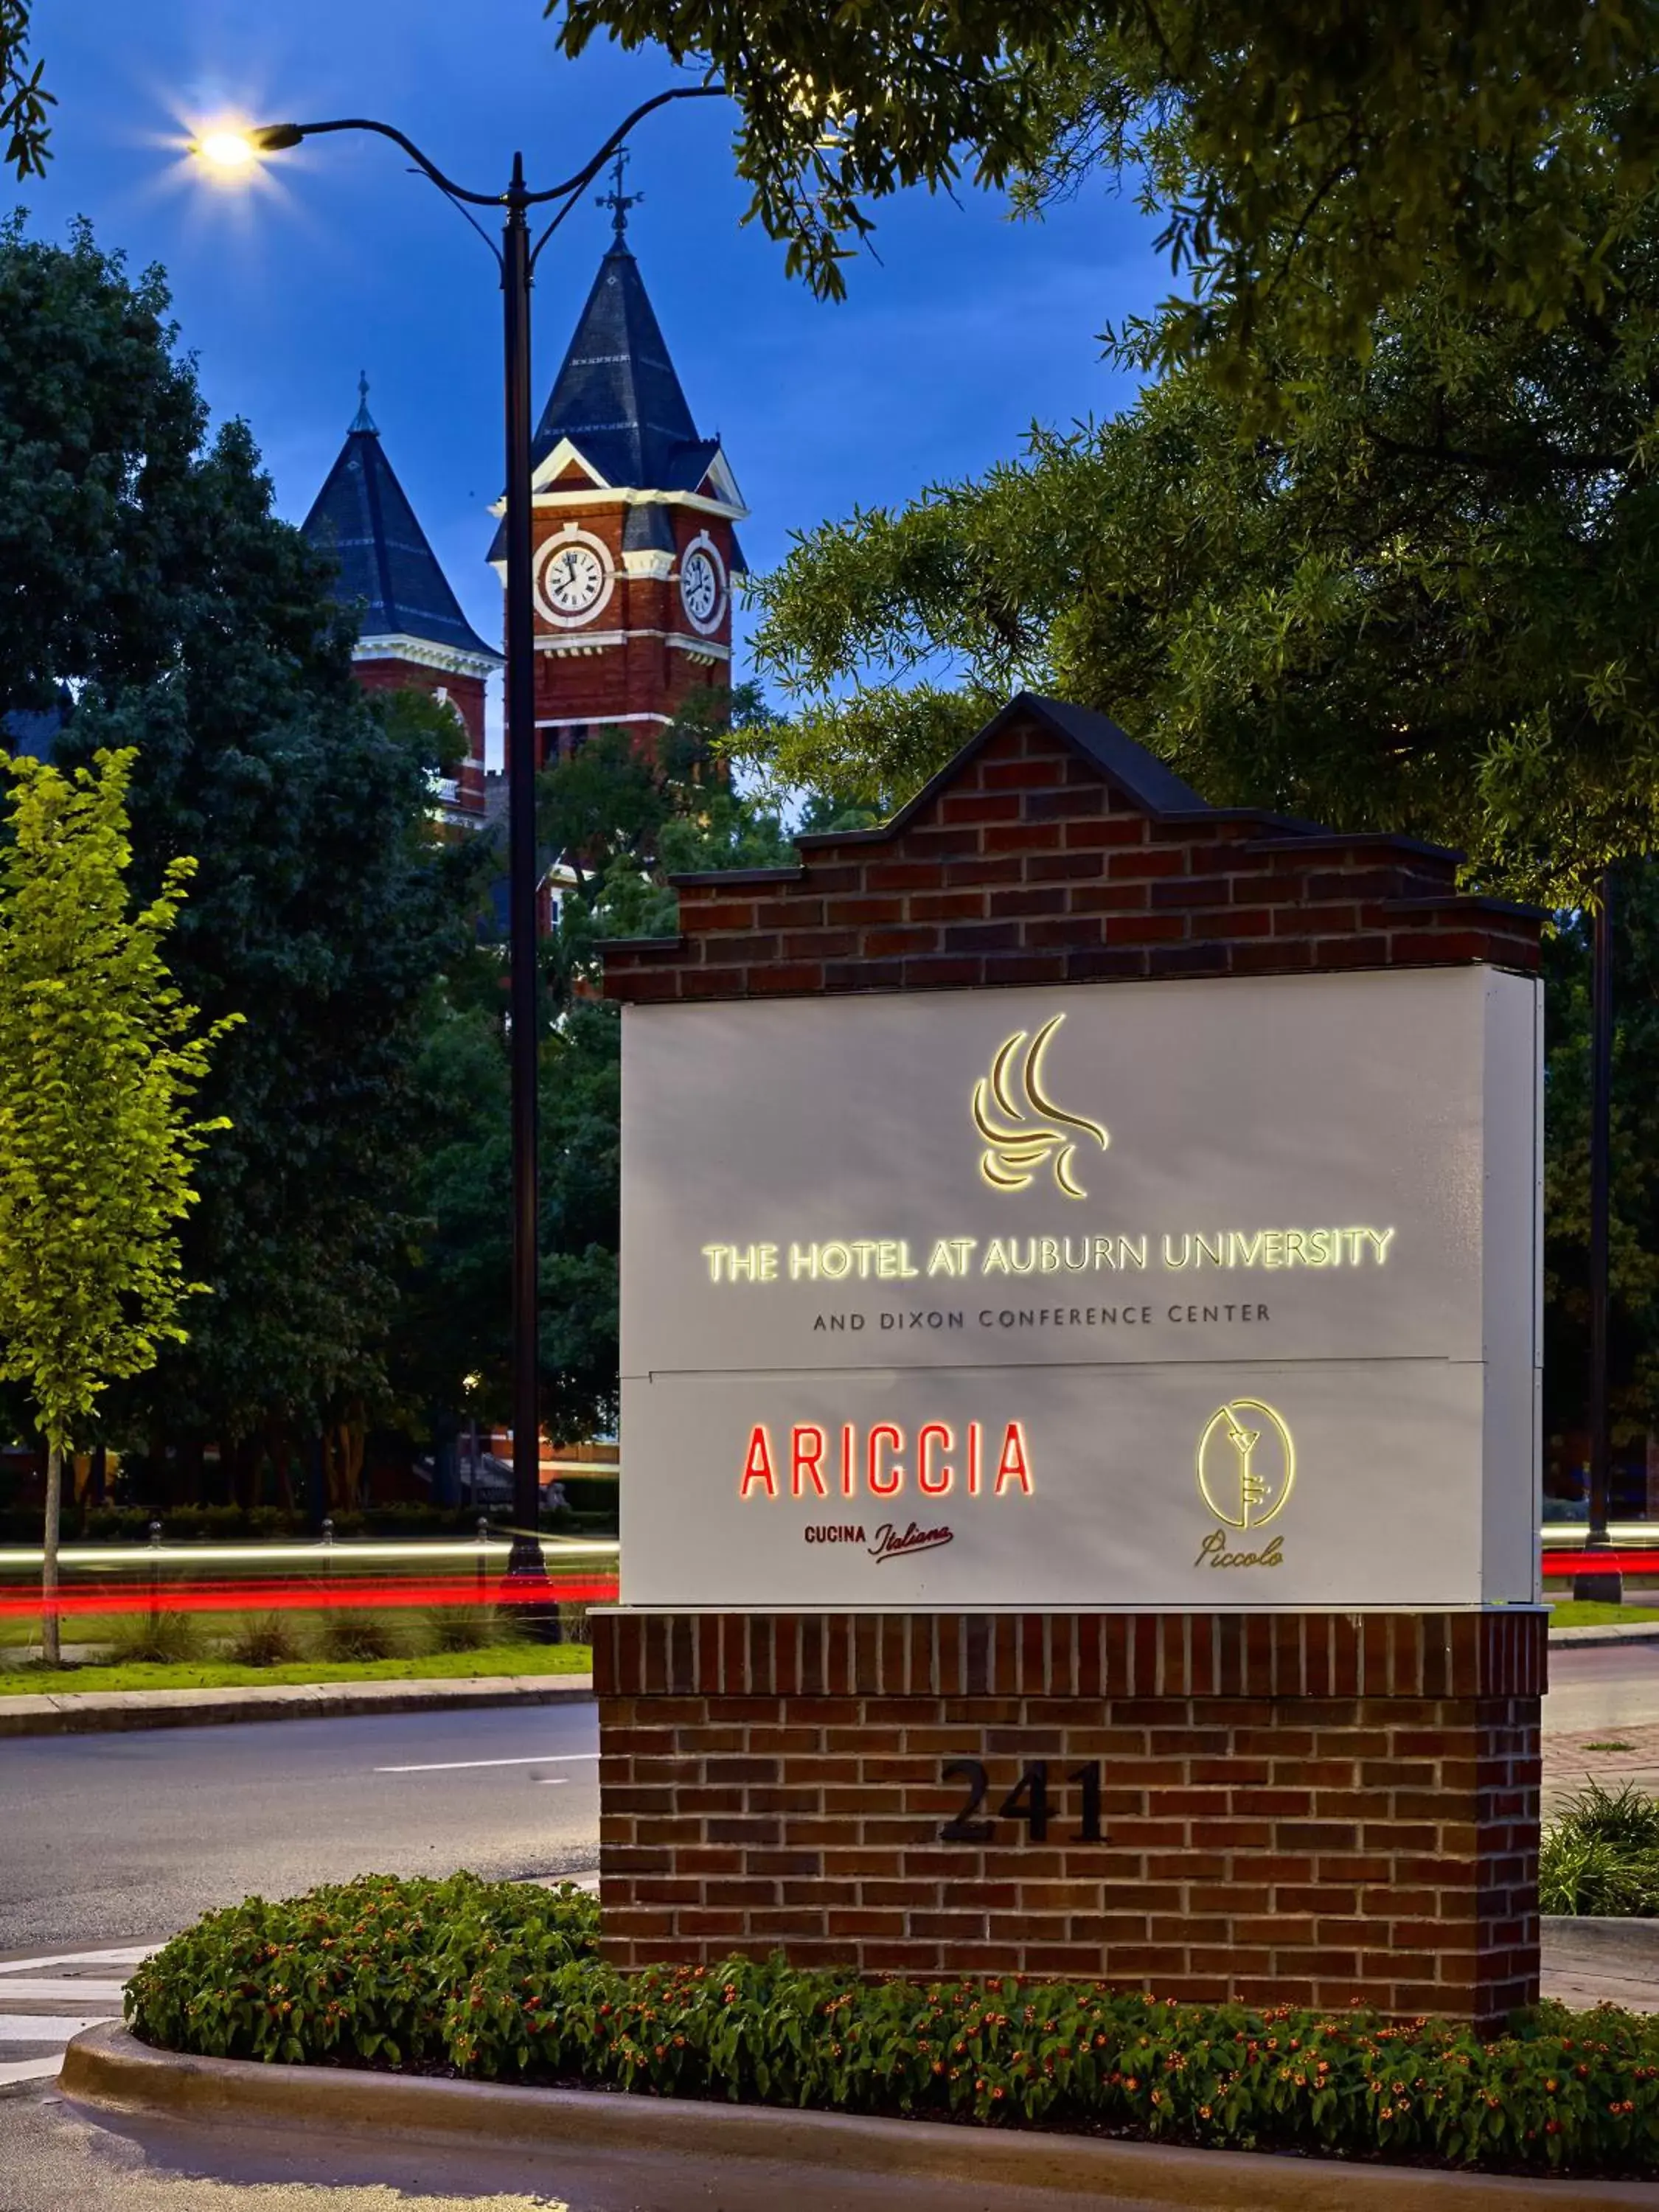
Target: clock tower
{"points": [[634, 516]]}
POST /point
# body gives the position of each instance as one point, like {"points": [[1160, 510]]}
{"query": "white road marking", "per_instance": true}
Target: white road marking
{"points": [[61, 1991], [45, 2027], [552, 1781], [454, 1765], [134, 1955], [29, 2070]]}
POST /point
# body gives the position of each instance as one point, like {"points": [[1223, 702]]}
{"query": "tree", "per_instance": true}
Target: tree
{"points": [[1308, 159], [24, 99], [1634, 1336], [141, 565], [626, 812], [102, 1054], [106, 494], [1428, 600]]}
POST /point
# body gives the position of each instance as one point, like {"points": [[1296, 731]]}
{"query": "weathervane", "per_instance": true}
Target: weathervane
{"points": [[616, 199]]}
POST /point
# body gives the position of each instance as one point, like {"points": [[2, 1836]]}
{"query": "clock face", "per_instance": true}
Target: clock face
{"points": [[572, 578], [700, 587]]}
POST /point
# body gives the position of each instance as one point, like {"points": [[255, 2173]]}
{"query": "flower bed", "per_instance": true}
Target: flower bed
{"points": [[498, 1981]]}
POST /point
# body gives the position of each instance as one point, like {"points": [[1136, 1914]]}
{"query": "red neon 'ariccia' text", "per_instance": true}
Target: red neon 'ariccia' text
{"points": [[883, 1461]]}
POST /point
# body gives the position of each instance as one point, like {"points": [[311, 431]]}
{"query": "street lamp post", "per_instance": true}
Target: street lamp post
{"points": [[516, 258]]}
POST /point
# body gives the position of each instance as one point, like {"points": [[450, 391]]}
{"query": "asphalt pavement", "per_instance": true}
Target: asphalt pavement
{"points": [[124, 1838]]}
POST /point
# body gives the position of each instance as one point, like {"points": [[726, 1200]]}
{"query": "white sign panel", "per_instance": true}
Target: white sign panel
{"points": [[1159, 1294]]}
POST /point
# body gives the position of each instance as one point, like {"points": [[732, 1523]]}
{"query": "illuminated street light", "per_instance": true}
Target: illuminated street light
{"points": [[234, 151]]}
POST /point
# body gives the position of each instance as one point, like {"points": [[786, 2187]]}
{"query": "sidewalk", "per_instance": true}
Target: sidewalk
{"points": [[94, 1711]]}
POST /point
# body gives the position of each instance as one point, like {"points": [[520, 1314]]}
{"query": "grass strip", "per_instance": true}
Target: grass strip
{"points": [[213, 1674], [1583, 1613]]}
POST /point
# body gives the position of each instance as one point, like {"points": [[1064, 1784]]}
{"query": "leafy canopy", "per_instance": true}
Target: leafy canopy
{"points": [[24, 99], [102, 1055], [1308, 157], [1633, 1333], [1427, 599], [141, 566]]}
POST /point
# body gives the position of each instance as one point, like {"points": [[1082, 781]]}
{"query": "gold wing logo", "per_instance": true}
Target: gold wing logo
{"points": [[1033, 1128]]}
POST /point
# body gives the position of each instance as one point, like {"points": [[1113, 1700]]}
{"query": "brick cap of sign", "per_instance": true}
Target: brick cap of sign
{"points": [[1495, 1652], [1054, 849]]}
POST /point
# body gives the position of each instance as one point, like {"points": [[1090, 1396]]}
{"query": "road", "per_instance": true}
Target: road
{"points": [[120, 1839], [1595, 1686]]}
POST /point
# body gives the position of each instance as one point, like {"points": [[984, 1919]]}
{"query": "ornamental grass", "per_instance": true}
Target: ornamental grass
{"points": [[500, 1981]]}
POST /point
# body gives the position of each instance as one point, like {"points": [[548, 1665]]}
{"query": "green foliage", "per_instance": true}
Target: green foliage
{"points": [[456, 1325], [1427, 599], [155, 1639], [513, 1659], [463, 1628], [264, 1640], [364, 1970], [1309, 160], [627, 812], [101, 1055], [501, 1981], [1633, 1337], [146, 565], [106, 506], [24, 99], [1600, 1856], [353, 1634]]}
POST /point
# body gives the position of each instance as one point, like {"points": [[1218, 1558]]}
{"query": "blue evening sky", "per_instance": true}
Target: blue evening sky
{"points": [[967, 328]]}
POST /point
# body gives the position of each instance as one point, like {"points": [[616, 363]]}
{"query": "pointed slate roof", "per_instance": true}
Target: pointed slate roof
{"points": [[616, 397], [362, 518]]}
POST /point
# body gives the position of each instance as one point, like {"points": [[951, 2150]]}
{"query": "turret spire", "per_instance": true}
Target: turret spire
{"points": [[364, 420]]}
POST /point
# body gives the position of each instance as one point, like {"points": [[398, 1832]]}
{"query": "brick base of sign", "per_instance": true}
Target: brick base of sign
{"points": [[1311, 1809]]}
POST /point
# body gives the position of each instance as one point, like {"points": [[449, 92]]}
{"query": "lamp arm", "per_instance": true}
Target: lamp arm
{"points": [[277, 135], [386, 131], [467, 215], [586, 176], [572, 187]]}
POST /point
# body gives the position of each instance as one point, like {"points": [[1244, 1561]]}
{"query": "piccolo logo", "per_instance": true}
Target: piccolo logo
{"points": [[1246, 1463], [1033, 1130]]}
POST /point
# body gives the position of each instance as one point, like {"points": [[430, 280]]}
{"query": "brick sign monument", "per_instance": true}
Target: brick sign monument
{"points": [[1081, 1341]]}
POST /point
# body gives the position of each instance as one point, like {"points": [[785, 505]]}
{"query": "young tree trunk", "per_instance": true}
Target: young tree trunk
{"points": [[51, 1642]]}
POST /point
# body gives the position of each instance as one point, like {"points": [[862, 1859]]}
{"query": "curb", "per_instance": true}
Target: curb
{"points": [[87, 1713], [108, 2067], [1609, 1632]]}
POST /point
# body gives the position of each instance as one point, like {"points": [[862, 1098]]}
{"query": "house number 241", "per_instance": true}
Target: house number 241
{"points": [[1028, 1800]]}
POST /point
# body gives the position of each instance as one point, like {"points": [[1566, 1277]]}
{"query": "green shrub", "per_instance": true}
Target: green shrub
{"points": [[500, 1981], [163, 1639], [463, 1628], [1600, 1855], [264, 1639], [353, 1634]]}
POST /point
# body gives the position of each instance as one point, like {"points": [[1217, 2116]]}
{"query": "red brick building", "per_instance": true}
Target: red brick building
{"points": [[636, 546], [634, 523]]}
